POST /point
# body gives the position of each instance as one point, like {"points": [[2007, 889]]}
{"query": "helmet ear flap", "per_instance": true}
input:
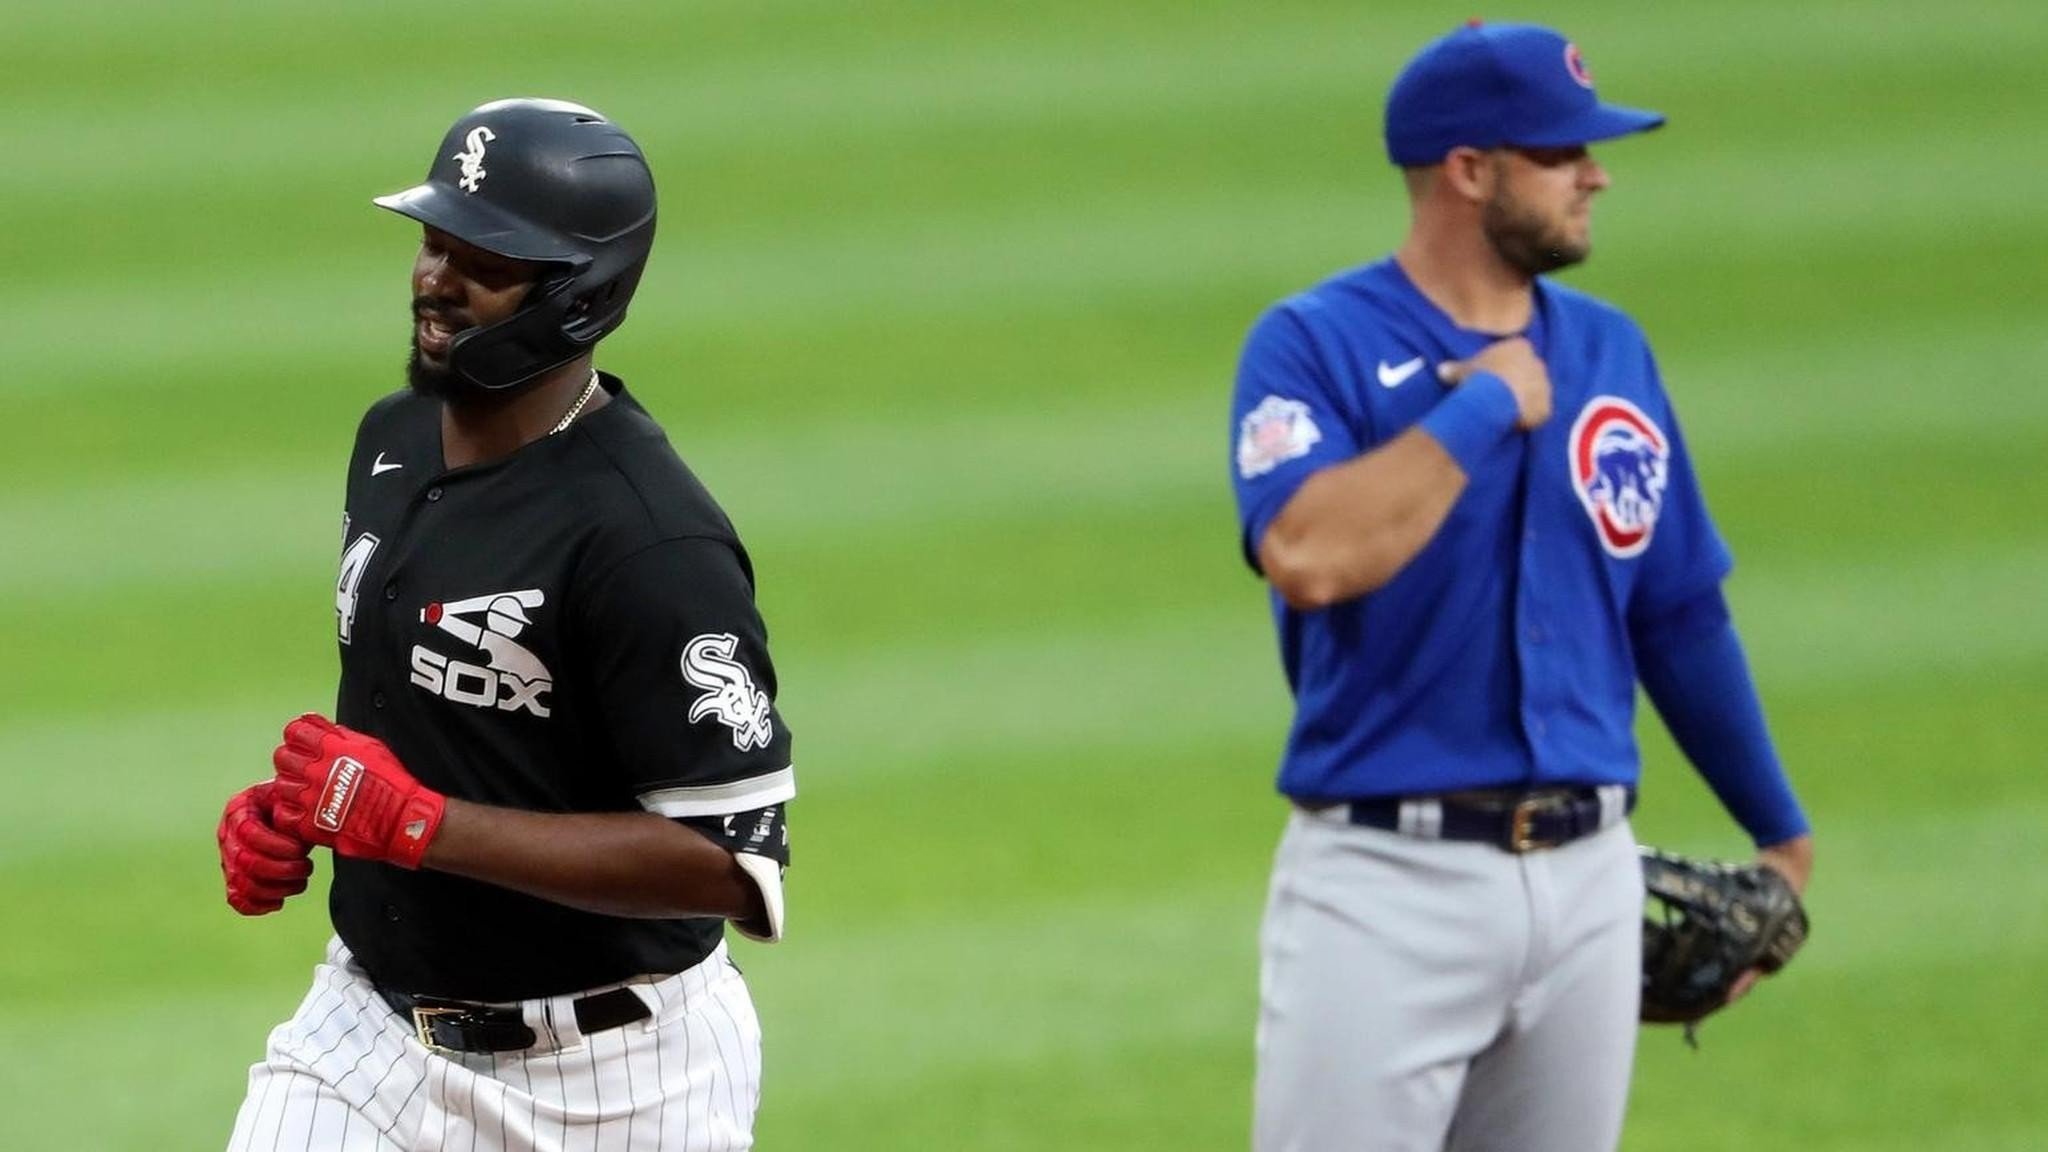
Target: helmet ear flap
{"points": [[602, 308]]}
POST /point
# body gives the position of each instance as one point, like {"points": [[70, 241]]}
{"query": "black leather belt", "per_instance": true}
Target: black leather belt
{"points": [[460, 1026], [1512, 820]]}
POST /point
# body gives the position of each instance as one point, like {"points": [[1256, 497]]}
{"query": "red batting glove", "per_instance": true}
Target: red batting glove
{"points": [[262, 866], [338, 787]]}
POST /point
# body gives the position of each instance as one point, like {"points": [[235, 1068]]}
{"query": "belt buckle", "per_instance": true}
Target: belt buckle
{"points": [[1522, 821], [423, 1018]]}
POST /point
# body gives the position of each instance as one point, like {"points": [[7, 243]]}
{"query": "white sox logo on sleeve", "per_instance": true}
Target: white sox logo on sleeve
{"points": [[729, 693], [512, 680]]}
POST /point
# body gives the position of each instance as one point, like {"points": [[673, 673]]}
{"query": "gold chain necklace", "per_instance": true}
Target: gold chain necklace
{"points": [[589, 390]]}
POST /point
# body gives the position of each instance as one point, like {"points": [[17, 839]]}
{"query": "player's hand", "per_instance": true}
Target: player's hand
{"points": [[1794, 861], [338, 787], [262, 866], [1515, 361]]}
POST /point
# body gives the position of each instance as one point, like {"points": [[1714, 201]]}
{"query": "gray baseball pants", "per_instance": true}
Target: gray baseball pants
{"points": [[1417, 995]]}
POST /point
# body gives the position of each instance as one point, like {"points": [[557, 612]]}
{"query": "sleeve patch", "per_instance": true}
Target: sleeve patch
{"points": [[1276, 431], [729, 695]]}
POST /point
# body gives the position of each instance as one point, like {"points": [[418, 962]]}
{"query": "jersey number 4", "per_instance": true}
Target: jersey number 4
{"points": [[355, 560]]}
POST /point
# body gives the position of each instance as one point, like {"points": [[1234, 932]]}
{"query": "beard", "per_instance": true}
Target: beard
{"points": [[1526, 241], [440, 382], [436, 382]]}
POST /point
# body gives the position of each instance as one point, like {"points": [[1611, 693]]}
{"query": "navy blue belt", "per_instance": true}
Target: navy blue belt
{"points": [[1512, 820]]}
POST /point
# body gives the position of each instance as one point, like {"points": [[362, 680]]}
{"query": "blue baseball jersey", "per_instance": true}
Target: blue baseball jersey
{"points": [[1500, 655]]}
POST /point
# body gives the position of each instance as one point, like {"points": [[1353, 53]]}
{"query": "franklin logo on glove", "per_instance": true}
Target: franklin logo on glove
{"points": [[341, 790]]}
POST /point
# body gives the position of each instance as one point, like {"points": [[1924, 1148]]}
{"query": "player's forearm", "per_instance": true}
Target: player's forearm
{"points": [[1351, 528], [1692, 666], [633, 864]]}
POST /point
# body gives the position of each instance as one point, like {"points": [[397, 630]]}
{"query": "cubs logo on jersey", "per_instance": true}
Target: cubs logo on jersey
{"points": [[1619, 463]]}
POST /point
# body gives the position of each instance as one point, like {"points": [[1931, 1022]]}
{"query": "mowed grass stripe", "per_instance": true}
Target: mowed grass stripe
{"points": [[1031, 863], [877, 88], [1124, 694], [1154, 118], [946, 260], [898, 479], [1921, 1054], [1169, 1093], [1021, 657], [904, 712], [1010, 174], [193, 1051], [1744, 381], [890, 85], [1857, 971], [938, 958], [940, 639], [866, 485], [1003, 991], [187, 339]]}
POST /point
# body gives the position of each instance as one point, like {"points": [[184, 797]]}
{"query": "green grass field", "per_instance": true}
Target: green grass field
{"points": [[945, 307]]}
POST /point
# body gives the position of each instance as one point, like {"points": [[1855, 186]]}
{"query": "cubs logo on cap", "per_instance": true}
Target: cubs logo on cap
{"points": [[1620, 460], [1500, 85], [1576, 65]]}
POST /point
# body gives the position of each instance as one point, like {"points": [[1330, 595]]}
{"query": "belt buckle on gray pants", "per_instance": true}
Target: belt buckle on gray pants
{"points": [[1522, 823]]}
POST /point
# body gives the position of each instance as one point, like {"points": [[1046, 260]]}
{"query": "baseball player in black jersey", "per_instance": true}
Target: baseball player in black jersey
{"points": [[555, 768]]}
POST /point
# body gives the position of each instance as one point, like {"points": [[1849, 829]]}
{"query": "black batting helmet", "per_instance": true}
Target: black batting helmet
{"points": [[548, 181]]}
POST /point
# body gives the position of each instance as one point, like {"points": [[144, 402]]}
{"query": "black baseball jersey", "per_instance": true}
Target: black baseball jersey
{"points": [[569, 628]]}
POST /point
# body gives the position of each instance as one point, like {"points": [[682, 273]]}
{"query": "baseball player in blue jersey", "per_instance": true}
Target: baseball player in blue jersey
{"points": [[1468, 490]]}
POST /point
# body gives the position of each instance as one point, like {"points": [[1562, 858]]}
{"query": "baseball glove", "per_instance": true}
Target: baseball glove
{"points": [[1706, 923]]}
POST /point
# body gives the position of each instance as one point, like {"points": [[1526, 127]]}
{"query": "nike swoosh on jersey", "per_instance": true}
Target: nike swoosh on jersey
{"points": [[378, 467], [1396, 375]]}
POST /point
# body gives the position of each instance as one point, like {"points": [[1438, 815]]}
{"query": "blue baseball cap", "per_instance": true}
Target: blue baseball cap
{"points": [[1496, 85]]}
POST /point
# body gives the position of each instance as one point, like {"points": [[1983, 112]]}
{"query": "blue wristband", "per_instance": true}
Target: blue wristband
{"points": [[1473, 420]]}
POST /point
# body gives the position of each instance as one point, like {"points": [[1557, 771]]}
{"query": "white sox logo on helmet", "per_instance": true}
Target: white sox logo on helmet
{"points": [[1619, 463], [472, 157], [729, 693]]}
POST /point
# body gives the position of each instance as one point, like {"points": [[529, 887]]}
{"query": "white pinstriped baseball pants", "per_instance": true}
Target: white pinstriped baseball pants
{"points": [[346, 1074]]}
